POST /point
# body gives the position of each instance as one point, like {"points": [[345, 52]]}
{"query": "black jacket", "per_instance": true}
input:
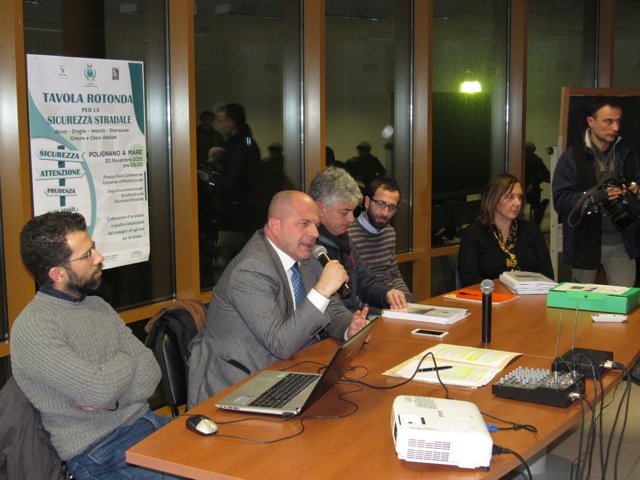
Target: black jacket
{"points": [[365, 287], [25, 447], [481, 257]]}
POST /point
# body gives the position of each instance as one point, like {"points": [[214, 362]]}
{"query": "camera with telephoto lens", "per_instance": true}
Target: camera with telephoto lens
{"points": [[624, 210]]}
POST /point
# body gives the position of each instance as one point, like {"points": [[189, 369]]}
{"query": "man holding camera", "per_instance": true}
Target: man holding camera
{"points": [[599, 158]]}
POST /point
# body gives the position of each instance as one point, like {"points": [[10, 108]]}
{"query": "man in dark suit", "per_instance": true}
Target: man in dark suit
{"points": [[253, 319]]}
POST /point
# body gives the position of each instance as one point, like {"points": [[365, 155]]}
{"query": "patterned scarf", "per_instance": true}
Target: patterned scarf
{"points": [[508, 246]]}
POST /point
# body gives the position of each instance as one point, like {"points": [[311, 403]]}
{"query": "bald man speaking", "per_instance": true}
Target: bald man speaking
{"points": [[268, 304]]}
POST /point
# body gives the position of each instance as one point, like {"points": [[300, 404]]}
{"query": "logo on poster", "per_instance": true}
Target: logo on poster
{"points": [[90, 72]]}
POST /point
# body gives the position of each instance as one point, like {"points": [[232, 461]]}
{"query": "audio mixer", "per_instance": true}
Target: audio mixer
{"points": [[537, 385]]}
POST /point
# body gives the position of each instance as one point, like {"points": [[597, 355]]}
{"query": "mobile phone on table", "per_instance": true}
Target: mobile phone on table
{"points": [[423, 332]]}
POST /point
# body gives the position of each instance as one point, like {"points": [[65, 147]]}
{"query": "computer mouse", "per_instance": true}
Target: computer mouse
{"points": [[201, 425]]}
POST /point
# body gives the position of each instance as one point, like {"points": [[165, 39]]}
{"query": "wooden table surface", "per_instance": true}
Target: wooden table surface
{"points": [[360, 445]]}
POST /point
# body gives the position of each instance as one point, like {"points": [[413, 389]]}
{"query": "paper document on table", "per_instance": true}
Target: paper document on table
{"points": [[470, 367]]}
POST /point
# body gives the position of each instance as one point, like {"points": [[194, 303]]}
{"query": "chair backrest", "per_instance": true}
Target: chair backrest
{"points": [[458, 278], [174, 370]]}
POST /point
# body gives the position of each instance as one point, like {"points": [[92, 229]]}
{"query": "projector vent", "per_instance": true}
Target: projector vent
{"points": [[427, 455], [419, 450], [414, 443]]}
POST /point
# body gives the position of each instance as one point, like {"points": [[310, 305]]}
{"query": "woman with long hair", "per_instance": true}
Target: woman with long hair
{"points": [[499, 240]]}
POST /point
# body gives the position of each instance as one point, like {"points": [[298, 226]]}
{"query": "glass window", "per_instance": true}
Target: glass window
{"points": [[368, 95], [562, 52], [469, 119], [135, 31], [627, 37], [469, 109], [248, 96]]}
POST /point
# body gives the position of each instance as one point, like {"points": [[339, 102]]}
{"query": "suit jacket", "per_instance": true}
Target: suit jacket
{"points": [[251, 321]]}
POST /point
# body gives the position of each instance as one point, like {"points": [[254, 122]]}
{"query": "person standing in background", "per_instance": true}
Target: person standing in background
{"points": [[597, 156], [535, 173], [364, 167]]}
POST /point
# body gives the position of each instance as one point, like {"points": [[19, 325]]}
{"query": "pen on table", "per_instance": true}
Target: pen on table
{"points": [[469, 294], [433, 369]]}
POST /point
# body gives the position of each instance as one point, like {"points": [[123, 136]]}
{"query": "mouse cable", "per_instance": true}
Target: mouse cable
{"points": [[302, 420], [498, 450], [514, 425], [263, 442]]}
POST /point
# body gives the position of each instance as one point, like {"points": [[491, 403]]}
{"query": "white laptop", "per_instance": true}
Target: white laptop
{"points": [[279, 392]]}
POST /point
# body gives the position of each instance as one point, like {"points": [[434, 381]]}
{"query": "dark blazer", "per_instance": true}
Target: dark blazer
{"points": [[251, 321], [481, 257]]}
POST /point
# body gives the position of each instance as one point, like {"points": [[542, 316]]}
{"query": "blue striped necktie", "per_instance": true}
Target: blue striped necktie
{"points": [[300, 294], [296, 281]]}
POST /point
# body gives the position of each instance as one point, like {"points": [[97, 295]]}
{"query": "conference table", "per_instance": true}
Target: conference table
{"points": [[337, 439]]}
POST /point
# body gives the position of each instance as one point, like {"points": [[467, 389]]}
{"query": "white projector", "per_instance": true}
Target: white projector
{"points": [[436, 430]]}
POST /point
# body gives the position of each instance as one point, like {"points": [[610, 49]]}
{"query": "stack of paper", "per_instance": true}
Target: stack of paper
{"points": [[527, 283], [468, 366], [427, 313]]}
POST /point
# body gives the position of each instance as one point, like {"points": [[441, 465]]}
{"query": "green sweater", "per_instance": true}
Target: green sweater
{"points": [[67, 354]]}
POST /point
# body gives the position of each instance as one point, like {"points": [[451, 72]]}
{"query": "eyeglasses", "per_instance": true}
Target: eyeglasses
{"points": [[382, 205], [86, 255]]}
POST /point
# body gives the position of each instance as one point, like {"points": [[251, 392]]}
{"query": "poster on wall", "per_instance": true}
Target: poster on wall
{"points": [[88, 149]]}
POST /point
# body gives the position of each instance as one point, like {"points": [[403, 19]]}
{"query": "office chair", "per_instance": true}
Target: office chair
{"points": [[174, 370]]}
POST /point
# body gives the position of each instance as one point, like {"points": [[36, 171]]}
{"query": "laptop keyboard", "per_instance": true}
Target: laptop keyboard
{"points": [[284, 391]]}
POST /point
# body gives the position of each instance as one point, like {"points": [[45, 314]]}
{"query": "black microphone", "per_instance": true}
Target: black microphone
{"points": [[320, 254], [487, 289]]}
